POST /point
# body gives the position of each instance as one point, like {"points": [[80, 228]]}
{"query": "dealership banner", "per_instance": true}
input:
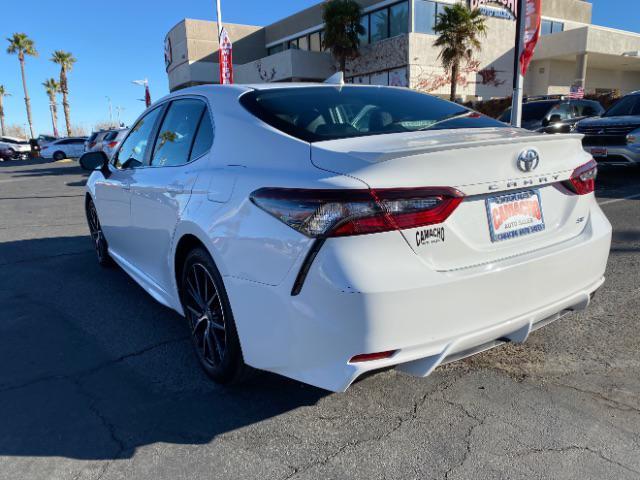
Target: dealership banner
{"points": [[225, 58], [533, 20]]}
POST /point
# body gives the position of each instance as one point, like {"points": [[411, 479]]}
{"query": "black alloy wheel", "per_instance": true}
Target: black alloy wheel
{"points": [[59, 156], [213, 331], [97, 237]]}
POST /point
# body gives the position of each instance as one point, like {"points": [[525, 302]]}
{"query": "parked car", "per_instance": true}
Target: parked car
{"points": [[296, 242], [94, 142], [5, 154], [18, 148], [112, 140], [555, 116], [614, 138], [69, 147]]}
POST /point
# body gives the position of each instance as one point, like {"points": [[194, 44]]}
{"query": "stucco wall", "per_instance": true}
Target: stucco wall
{"points": [[577, 10], [290, 64]]}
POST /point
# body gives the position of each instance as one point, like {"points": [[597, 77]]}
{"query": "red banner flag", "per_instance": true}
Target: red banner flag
{"points": [[533, 20], [225, 58], [147, 95]]}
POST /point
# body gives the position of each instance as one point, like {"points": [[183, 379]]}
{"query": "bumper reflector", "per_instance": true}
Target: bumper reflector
{"points": [[368, 357]]}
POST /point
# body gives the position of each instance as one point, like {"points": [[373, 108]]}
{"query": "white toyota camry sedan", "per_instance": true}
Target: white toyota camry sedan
{"points": [[322, 231]]}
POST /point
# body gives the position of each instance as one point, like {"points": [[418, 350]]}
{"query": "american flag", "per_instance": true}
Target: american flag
{"points": [[576, 93]]}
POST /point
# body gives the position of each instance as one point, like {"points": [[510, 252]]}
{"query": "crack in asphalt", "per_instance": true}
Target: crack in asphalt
{"points": [[573, 448], [611, 403], [401, 420], [90, 371]]}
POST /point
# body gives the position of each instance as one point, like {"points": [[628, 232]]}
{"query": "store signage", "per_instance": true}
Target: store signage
{"points": [[507, 9], [225, 58]]}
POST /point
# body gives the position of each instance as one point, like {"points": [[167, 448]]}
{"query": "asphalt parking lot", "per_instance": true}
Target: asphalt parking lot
{"points": [[97, 381]]}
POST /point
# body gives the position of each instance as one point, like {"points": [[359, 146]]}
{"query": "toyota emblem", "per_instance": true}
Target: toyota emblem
{"points": [[528, 160]]}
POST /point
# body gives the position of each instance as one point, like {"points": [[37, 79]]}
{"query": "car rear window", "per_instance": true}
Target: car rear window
{"points": [[327, 113]]}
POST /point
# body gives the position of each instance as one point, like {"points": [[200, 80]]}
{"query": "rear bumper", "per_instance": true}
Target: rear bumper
{"points": [[617, 154], [362, 295]]}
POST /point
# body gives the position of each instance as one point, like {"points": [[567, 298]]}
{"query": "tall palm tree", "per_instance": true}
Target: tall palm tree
{"points": [[66, 61], [3, 93], [342, 27], [22, 45], [52, 88], [459, 30]]}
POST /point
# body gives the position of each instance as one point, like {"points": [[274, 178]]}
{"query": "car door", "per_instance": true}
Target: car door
{"points": [[161, 191], [113, 192]]}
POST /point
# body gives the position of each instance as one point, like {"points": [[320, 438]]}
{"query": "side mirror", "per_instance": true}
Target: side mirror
{"points": [[555, 119], [94, 161]]}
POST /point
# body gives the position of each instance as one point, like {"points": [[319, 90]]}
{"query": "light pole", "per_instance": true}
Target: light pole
{"points": [[219, 18], [110, 110], [118, 110]]}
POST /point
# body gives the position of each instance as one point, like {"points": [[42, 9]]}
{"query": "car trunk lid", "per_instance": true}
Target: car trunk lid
{"points": [[482, 164]]}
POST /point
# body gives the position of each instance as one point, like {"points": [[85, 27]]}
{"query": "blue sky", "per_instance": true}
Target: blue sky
{"points": [[116, 42]]}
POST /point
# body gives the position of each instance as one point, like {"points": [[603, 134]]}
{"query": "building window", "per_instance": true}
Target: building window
{"points": [[303, 43], [275, 49], [426, 12], [379, 25], [315, 44], [292, 44], [398, 19], [550, 27], [364, 37]]}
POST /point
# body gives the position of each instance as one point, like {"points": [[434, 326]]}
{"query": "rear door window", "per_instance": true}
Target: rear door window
{"points": [[177, 133]]}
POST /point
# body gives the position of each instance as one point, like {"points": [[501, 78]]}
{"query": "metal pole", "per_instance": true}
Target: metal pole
{"points": [[518, 78], [219, 18], [110, 110]]}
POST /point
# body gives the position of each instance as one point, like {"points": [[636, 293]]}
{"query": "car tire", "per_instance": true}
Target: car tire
{"points": [[100, 244], [12, 153], [210, 319], [57, 156]]}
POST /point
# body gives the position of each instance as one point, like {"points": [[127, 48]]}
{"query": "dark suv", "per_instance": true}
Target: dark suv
{"points": [[556, 115], [615, 137]]}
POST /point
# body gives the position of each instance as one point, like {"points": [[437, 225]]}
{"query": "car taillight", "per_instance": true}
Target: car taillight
{"points": [[583, 178], [112, 144], [339, 213]]}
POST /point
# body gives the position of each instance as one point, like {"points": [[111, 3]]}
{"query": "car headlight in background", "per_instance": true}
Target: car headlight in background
{"points": [[633, 137]]}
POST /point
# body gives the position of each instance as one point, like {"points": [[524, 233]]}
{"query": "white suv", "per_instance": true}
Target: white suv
{"points": [[70, 147], [17, 147]]}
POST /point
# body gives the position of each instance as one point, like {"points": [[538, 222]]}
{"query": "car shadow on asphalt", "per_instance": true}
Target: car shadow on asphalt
{"points": [[617, 182], [92, 368]]}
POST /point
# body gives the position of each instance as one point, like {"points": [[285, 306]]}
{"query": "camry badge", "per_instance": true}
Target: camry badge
{"points": [[528, 160]]}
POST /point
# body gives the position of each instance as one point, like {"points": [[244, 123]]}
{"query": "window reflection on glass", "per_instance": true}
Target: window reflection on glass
{"points": [[364, 36], [425, 12], [379, 25], [399, 19], [177, 133], [133, 149]]}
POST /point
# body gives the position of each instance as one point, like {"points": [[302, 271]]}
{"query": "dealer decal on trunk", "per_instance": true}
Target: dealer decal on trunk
{"points": [[429, 236]]}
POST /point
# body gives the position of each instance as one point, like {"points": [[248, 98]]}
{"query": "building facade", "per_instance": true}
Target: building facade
{"points": [[397, 49]]}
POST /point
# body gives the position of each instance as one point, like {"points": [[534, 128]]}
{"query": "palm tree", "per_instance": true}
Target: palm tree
{"points": [[52, 88], [342, 27], [3, 93], [66, 61], [459, 29], [22, 45]]}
